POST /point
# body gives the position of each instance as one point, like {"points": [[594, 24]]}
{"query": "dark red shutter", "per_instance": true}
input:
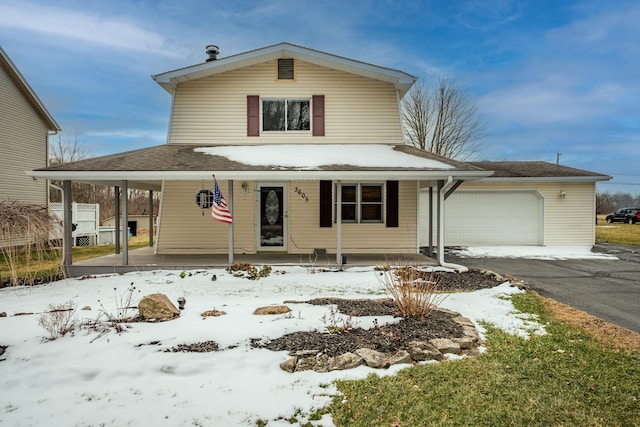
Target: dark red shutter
{"points": [[392, 204], [318, 115], [326, 203], [253, 115]]}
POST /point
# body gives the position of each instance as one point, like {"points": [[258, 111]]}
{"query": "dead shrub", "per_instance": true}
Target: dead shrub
{"points": [[414, 291], [59, 319], [25, 233], [249, 271]]}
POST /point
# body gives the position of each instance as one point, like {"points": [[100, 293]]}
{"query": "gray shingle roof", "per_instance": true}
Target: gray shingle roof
{"points": [[184, 157], [534, 169]]}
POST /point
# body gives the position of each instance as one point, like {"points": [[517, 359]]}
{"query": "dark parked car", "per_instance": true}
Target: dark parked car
{"points": [[628, 215]]}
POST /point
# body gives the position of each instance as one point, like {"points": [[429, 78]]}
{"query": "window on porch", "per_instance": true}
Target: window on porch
{"points": [[362, 203]]}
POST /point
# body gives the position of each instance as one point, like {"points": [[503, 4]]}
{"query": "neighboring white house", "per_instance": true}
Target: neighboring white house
{"points": [[25, 126]]}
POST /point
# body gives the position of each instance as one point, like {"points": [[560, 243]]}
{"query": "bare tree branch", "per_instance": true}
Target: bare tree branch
{"points": [[443, 120]]}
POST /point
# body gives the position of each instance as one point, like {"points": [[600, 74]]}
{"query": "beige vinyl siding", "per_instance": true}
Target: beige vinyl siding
{"points": [[568, 221], [307, 235], [213, 110], [183, 228], [23, 145]]}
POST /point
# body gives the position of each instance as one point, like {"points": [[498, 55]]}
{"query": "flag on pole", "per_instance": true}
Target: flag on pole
{"points": [[219, 210]]}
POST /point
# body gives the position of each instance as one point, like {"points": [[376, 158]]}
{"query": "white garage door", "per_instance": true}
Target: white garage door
{"points": [[487, 218]]}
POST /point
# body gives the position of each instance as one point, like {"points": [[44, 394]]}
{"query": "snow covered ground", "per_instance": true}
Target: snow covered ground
{"points": [[127, 379], [531, 252]]}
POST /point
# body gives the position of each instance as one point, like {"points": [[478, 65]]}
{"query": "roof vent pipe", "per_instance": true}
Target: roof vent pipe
{"points": [[213, 51]]}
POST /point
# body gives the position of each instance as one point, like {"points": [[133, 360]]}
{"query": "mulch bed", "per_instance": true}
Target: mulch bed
{"points": [[388, 338]]}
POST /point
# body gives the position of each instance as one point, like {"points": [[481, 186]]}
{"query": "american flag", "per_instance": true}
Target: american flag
{"points": [[219, 210]]}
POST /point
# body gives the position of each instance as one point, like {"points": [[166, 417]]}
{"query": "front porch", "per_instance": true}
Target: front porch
{"points": [[144, 259]]}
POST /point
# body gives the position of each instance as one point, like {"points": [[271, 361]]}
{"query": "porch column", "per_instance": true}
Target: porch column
{"points": [[116, 212], [430, 251], [125, 222], [150, 217], [440, 219], [339, 222], [230, 206], [67, 227]]}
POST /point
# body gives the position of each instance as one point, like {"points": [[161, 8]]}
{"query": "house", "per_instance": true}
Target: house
{"points": [[296, 139], [25, 125]]}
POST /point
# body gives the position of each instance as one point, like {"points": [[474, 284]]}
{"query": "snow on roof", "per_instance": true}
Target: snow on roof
{"points": [[311, 157]]}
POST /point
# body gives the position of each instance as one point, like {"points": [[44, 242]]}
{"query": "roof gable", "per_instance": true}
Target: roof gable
{"points": [[27, 91], [169, 80]]}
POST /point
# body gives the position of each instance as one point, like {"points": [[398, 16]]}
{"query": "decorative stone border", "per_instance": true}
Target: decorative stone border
{"points": [[416, 351]]}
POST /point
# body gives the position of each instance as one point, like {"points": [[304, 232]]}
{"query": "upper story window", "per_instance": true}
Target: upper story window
{"points": [[362, 203], [286, 70], [286, 115]]}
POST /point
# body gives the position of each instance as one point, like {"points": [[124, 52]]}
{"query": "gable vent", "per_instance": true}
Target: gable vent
{"points": [[285, 69]]}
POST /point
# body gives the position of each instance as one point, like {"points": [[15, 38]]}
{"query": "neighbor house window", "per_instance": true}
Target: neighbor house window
{"points": [[362, 203], [286, 115]]}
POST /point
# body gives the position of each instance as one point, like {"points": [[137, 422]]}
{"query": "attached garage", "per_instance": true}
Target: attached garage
{"points": [[522, 204], [500, 218]]}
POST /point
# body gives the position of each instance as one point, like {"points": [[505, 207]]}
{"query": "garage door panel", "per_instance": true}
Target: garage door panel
{"points": [[475, 218]]}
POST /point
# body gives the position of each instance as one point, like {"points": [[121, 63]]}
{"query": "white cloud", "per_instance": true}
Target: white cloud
{"points": [[117, 32]]}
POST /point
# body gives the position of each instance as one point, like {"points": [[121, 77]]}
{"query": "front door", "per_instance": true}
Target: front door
{"points": [[272, 227]]}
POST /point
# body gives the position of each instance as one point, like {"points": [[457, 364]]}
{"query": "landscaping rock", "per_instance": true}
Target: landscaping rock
{"points": [[317, 363], [157, 307], [463, 321], [86, 308], [3, 314], [344, 361], [465, 343], [445, 345], [289, 365], [422, 350], [272, 309], [373, 358], [471, 333], [400, 356]]}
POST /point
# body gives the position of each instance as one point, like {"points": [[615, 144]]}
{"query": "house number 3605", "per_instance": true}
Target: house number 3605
{"points": [[302, 194]]}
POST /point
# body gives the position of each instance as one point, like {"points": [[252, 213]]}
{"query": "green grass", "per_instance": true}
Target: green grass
{"points": [[563, 378], [617, 232], [49, 265]]}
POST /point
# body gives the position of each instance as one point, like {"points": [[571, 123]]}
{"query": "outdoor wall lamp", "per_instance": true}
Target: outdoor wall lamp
{"points": [[562, 194], [245, 187]]}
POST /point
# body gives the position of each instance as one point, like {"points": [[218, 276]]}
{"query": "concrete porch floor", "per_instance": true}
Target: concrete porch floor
{"points": [[144, 259]]}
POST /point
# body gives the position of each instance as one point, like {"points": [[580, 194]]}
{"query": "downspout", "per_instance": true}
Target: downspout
{"points": [[441, 193]]}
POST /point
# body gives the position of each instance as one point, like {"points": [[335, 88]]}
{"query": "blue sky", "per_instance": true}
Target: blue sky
{"points": [[547, 76]]}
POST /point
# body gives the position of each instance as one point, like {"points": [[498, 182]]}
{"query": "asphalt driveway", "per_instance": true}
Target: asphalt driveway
{"points": [[608, 289]]}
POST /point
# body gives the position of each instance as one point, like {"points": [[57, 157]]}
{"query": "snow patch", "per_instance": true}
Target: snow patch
{"points": [[531, 252]]}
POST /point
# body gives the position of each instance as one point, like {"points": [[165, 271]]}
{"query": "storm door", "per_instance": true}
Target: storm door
{"points": [[272, 227]]}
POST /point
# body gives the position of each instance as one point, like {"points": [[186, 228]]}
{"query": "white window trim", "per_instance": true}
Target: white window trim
{"points": [[286, 100]]}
